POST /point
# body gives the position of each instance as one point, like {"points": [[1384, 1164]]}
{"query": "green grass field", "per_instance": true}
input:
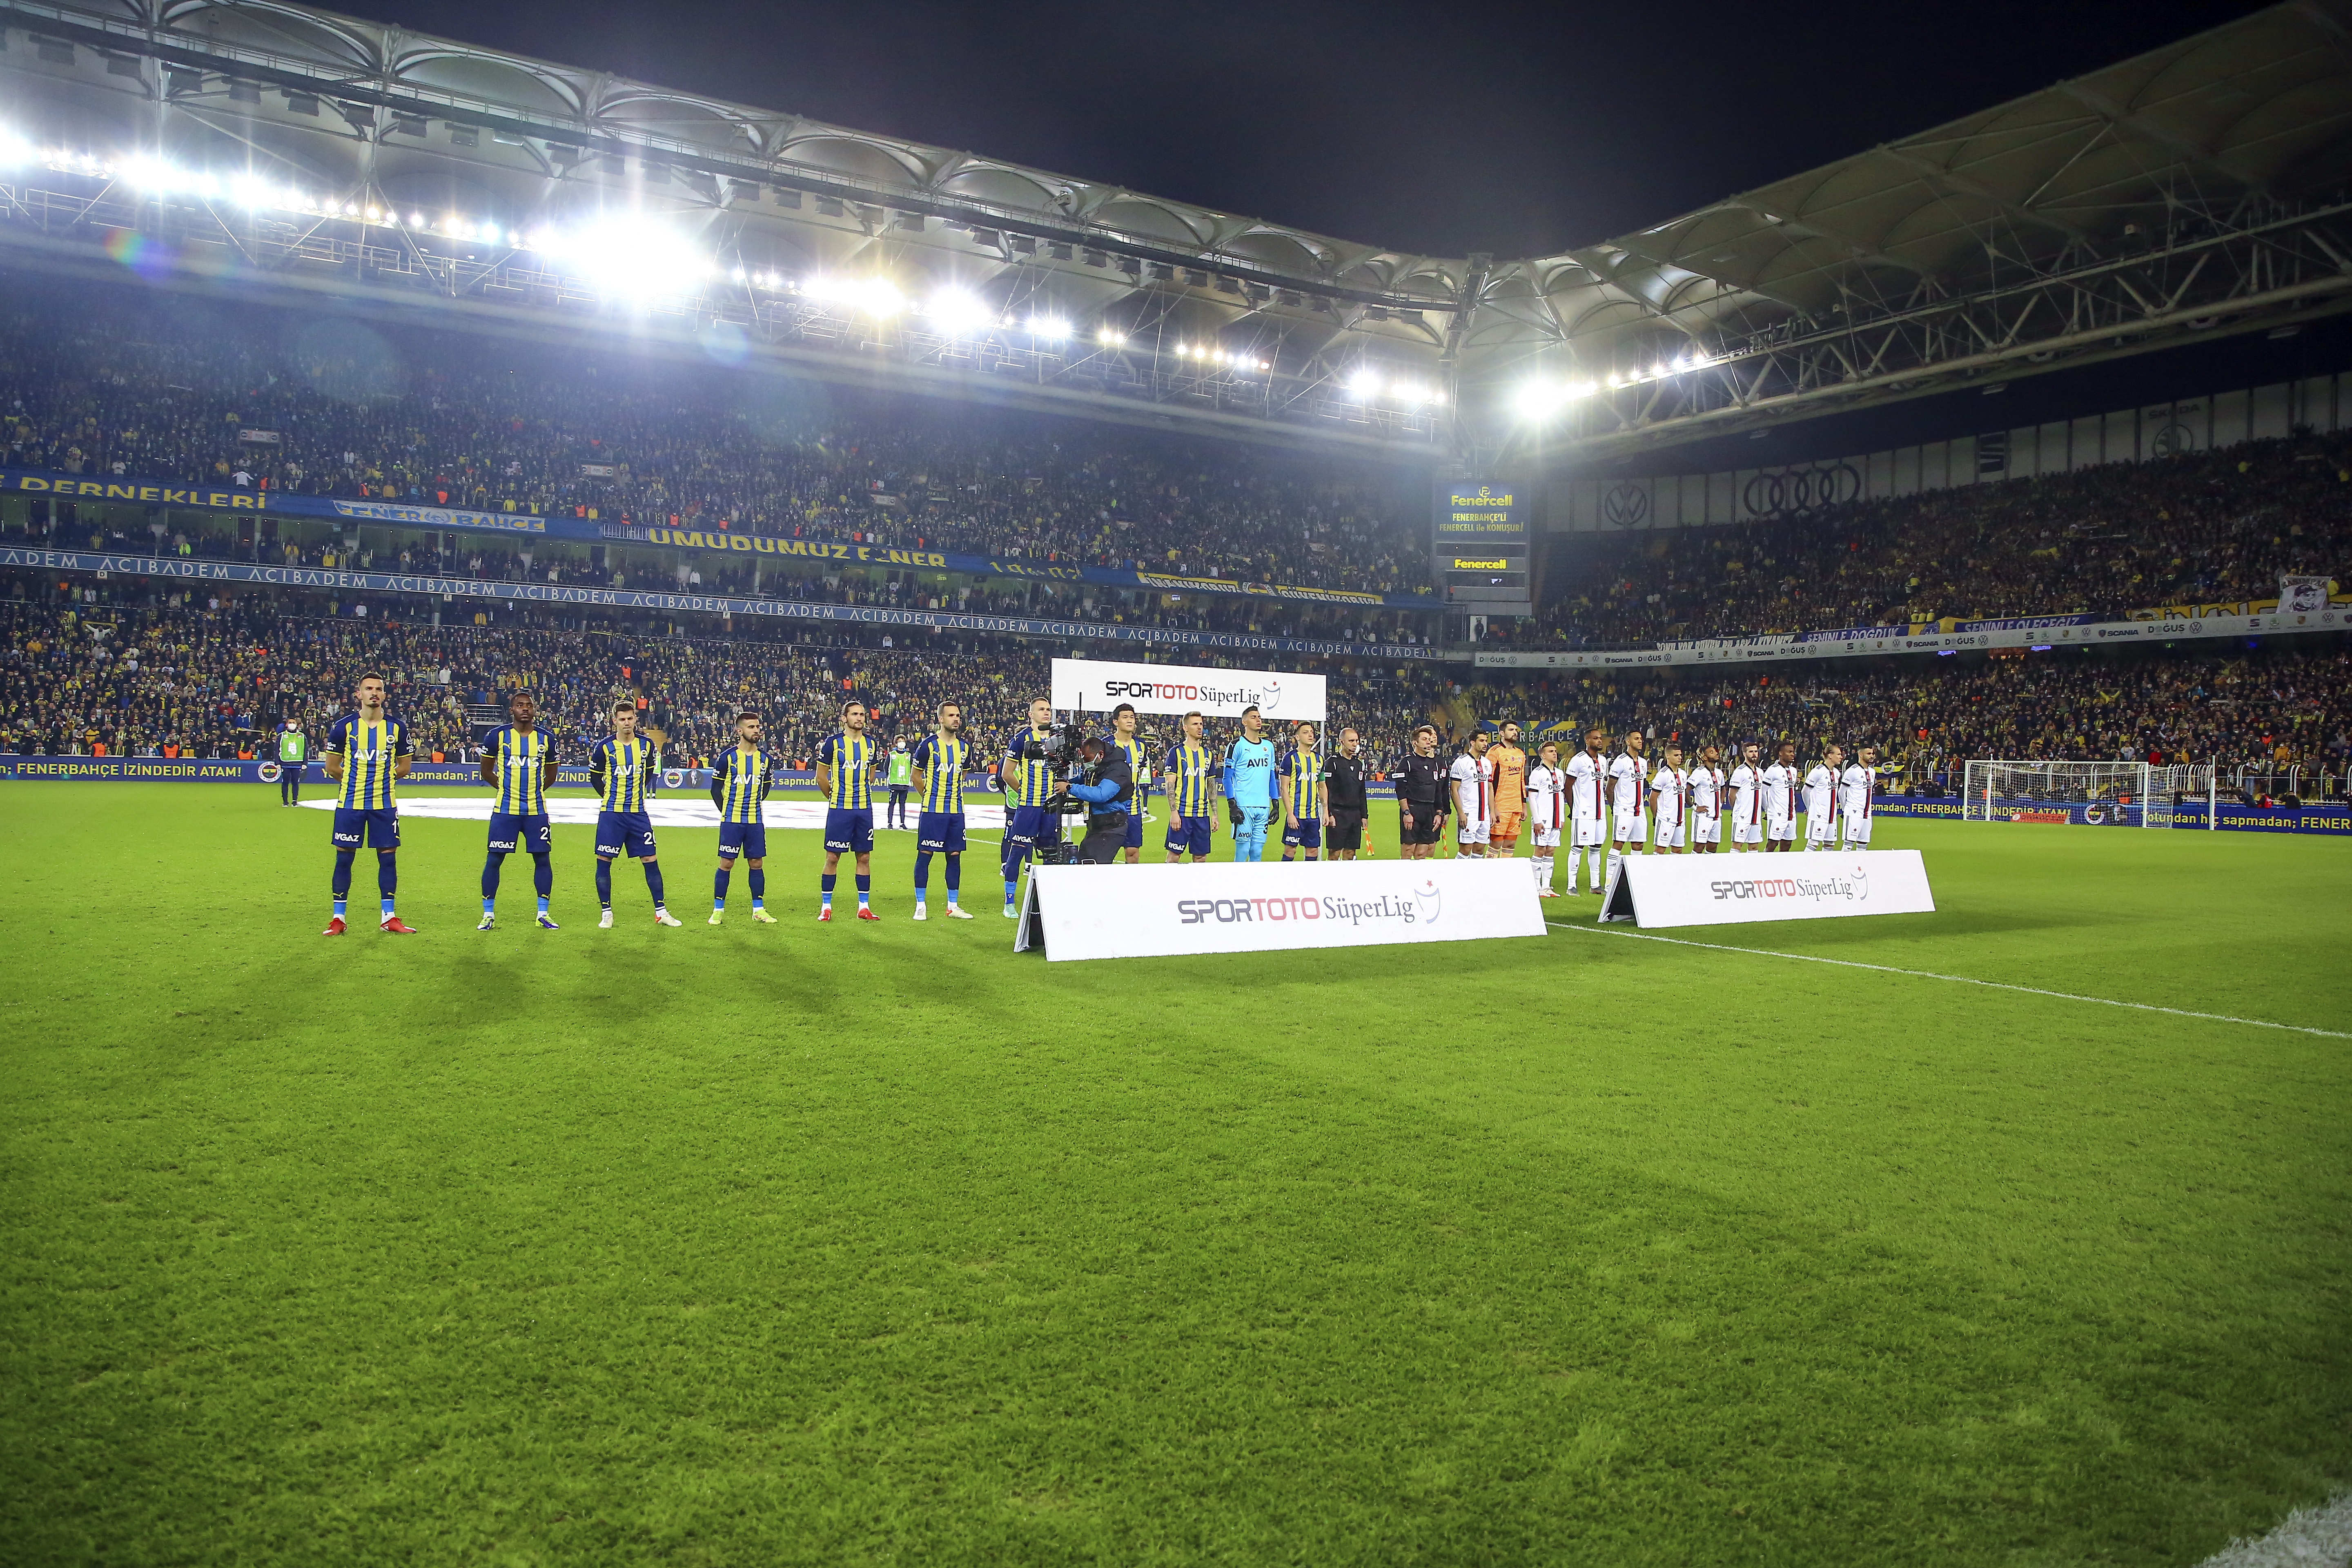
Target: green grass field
{"points": [[839, 1245]]}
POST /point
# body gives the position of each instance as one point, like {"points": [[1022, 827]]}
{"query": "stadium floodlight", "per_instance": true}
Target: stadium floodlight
{"points": [[628, 258], [14, 150], [959, 312], [1111, 337], [1049, 329], [876, 297], [1364, 385]]}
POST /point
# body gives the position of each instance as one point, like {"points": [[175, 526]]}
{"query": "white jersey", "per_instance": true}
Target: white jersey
{"points": [[1474, 789], [1587, 776], [1706, 791], [1670, 796], [1855, 783], [1547, 799], [1820, 804], [1747, 795], [1630, 779], [1781, 793]]}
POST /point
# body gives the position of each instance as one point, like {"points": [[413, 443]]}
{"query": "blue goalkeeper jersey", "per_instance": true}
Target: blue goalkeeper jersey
{"points": [[1249, 775]]}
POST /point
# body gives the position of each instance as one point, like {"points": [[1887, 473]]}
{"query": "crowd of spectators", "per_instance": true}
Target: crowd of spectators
{"points": [[211, 677], [2256, 710], [2209, 527], [106, 380], [488, 558]]}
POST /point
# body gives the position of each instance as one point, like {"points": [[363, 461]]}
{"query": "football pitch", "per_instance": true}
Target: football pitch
{"points": [[846, 1245]]}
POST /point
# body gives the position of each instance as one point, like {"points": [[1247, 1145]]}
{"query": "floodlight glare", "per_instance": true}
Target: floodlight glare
{"points": [[13, 149], [1364, 385], [1049, 329], [625, 256], [1111, 337], [957, 311]]}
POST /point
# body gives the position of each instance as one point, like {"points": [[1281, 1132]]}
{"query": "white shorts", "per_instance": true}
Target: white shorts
{"points": [[1857, 829], [1633, 828], [1745, 832], [1547, 837], [1471, 832], [1707, 829], [1592, 832], [1782, 829], [1669, 835], [1820, 829]]}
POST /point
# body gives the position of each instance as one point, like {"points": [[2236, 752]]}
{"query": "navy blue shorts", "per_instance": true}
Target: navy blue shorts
{"points": [[849, 830], [1134, 826], [1308, 835], [510, 833], [1190, 835], [377, 828], [939, 832], [1030, 825], [743, 838], [629, 833]]}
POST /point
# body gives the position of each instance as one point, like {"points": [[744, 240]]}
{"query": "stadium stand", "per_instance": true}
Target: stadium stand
{"points": [[103, 381], [2197, 528], [137, 679]]}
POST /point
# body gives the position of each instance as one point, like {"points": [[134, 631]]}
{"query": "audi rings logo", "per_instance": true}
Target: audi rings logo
{"points": [[1793, 492], [1627, 506]]}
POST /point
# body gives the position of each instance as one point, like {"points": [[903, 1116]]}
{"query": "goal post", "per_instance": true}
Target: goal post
{"points": [[2117, 795]]}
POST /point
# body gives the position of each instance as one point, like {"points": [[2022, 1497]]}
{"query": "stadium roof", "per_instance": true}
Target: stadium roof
{"points": [[2195, 187]]}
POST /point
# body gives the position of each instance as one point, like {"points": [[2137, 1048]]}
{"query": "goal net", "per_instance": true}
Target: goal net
{"points": [[2104, 794]]}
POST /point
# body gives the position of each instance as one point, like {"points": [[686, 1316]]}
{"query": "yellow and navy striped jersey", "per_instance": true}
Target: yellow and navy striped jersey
{"points": [[1190, 760], [371, 753], [1028, 780], [739, 783], [521, 755], [851, 758], [941, 759], [623, 772], [1302, 784], [1138, 768]]}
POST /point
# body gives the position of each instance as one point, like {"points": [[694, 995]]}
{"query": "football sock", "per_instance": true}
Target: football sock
{"points": [[865, 886], [758, 888], [603, 882], [490, 868], [1592, 868], [1543, 864], [719, 887], [542, 878], [654, 884], [825, 888], [922, 873], [1011, 891], [387, 882], [342, 881], [955, 869]]}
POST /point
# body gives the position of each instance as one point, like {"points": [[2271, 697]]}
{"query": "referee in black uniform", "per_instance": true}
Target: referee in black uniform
{"points": [[1344, 801], [1421, 796]]}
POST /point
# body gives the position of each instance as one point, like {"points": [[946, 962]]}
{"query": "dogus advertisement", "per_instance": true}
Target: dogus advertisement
{"points": [[1097, 685], [1733, 889], [1136, 911]]}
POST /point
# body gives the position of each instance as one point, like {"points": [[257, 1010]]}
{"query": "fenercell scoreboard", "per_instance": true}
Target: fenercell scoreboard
{"points": [[1482, 546]]}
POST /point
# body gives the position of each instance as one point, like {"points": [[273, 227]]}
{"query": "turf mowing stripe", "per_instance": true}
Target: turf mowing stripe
{"points": [[1958, 979]]}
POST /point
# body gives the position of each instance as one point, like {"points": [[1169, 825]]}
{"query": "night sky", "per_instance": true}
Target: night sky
{"points": [[1515, 129]]}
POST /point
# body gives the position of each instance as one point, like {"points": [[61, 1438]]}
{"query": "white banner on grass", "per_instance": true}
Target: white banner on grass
{"points": [[1731, 890], [1098, 685], [1135, 912]]}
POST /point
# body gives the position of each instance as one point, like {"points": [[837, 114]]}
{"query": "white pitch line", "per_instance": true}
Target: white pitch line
{"points": [[1957, 980], [2317, 1536]]}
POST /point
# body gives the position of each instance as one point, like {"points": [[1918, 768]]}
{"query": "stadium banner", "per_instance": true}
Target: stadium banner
{"points": [[1144, 912], [590, 529], [2037, 632], [199, 568], [1735, 890], [1097, 685]]}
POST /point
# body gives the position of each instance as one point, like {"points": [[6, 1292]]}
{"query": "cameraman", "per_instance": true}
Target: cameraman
{"points": [[1108, 790]]}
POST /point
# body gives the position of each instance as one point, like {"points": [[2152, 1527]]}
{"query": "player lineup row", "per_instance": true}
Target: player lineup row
{"points": [[1492, 791]]}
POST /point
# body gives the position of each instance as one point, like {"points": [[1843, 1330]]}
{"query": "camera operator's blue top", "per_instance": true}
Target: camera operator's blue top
{"points": [[1103, 793], [1249, 773], [1113, 784]]}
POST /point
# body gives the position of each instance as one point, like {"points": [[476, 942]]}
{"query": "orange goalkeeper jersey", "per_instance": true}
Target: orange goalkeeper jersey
{"points": [[1510, 779]]}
